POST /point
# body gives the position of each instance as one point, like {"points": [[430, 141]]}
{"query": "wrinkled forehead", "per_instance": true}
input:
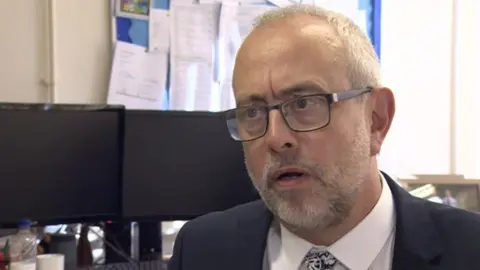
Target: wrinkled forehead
{"points": [[277, 58]]}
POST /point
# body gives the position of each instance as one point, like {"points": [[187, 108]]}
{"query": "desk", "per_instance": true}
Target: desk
{"points": [[147, 265]]}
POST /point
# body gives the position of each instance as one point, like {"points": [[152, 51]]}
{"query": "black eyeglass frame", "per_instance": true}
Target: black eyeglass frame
{"points": [[331, 98]]}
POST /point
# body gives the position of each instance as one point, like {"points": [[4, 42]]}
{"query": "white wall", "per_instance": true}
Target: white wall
{"points": [[416, 65], [467, 86], [82, 50], [430, 58]]}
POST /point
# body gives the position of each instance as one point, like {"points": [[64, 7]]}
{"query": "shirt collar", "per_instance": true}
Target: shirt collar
{"points": [[374, 229]]}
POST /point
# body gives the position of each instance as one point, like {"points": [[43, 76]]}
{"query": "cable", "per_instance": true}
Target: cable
{"points": [[113, 237], [114, 248]]}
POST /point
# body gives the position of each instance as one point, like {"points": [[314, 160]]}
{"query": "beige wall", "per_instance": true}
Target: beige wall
{"points": [[83, 50], [22, 51], [81, 54]]}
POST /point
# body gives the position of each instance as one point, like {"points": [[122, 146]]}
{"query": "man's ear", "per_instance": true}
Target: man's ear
{"points": [[383, 111]]}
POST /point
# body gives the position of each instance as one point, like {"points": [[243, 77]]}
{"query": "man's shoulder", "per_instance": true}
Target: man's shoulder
{"points": [[224, 220], [455, 223], [218, 233]]}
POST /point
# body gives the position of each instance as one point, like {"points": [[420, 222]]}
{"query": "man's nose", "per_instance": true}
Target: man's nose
{"points": [[279, 136]]}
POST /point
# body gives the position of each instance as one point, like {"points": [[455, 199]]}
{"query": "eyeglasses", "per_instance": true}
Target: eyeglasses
{"points": [[301, 114]]}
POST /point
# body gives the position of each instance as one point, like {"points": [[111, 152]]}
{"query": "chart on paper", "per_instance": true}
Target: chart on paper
{"points": [[138, 78]]}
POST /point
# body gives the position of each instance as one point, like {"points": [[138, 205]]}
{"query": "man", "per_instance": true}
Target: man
{"points": [[449, 199], [312, 116]]}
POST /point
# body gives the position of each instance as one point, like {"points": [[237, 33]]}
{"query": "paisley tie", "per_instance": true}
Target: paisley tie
{"points": [[318, 260]]}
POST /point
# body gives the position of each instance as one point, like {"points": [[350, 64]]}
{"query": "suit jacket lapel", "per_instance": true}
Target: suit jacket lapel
{"points": [[417, 243], [252, 239]]}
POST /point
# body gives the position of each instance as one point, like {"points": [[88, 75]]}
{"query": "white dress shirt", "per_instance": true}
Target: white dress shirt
{"points": [[368, 246]]}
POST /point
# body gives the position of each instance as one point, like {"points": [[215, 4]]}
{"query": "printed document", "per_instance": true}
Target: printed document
{"points": [[138, 78]]}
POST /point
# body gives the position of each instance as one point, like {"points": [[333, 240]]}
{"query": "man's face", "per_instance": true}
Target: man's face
{"points": [[308, 179]]}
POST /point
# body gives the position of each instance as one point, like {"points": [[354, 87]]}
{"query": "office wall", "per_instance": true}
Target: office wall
{"points": [[83, 50], [467, 87], [416, 65], [22, 48], [81, 55], [430, 61]]}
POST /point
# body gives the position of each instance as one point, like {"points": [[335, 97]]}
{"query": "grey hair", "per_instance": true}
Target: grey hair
{"points": [[362, 63]]}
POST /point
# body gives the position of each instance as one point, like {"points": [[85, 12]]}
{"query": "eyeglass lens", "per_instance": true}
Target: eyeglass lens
{"points": [[300, 114]]}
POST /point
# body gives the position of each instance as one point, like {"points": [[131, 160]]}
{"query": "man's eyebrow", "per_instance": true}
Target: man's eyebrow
{"points": [[305, 88], [243, 100]]}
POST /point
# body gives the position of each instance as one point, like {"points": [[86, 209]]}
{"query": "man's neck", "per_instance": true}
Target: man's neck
{"points": [[367, 199]]}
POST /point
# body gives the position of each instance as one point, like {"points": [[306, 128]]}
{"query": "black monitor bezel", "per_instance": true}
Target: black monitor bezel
{"points": [[45, 107]]}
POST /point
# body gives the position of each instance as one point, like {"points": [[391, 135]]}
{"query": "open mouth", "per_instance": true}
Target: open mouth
{"points": [[286, 176], [290, 177]]}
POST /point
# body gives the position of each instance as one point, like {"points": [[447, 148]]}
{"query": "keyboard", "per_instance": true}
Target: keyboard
{"points": [[146, 265]]}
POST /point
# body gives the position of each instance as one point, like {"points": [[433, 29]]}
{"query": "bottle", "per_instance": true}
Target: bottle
{"points": [[84, 249], [23, 247]]}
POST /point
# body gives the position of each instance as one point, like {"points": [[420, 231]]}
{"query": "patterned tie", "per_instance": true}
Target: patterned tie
{"points": [[318, 260]]}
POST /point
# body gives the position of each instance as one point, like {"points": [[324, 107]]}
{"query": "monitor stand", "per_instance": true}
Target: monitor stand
{"points": [[140, 241], [118, 234], [150, 241]]}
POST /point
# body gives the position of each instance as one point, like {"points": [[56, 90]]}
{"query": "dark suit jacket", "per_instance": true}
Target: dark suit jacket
{"points": [[428, 236]]}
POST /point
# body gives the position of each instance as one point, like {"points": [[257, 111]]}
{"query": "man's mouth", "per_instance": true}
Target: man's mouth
{"points": [[290, 177]]}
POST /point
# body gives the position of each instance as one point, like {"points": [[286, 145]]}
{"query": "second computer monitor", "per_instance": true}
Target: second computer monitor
{"points": [[179, 165]]}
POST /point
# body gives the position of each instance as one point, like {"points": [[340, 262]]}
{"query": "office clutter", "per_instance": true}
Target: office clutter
{"points": [[84, 248], [28, 249], [51, 262], [179, 55], [65, 244], [99, 164], [21, 251]]}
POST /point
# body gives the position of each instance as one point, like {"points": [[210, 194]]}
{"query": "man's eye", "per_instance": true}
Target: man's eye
{"points": [[251, 112], [302, 103]]}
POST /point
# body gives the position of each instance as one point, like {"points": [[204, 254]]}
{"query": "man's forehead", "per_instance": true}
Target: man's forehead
{"points": [[304, 87], [288, 32], [280, 54], [287, 43]]}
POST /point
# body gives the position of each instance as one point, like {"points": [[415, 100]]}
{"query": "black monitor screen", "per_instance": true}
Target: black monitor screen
{"points": [[179, 165], [60, 163]]}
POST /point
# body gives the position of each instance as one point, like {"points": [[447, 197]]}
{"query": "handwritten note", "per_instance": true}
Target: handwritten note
{"points": [[159, 30], [194, 32]]}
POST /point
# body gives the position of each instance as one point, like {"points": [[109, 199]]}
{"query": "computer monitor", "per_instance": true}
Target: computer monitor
{"points": [[180, 165], [60, 163]]}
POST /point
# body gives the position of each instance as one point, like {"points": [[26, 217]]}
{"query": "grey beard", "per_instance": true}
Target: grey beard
{"points": [[334, 189], [326, 205]]}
